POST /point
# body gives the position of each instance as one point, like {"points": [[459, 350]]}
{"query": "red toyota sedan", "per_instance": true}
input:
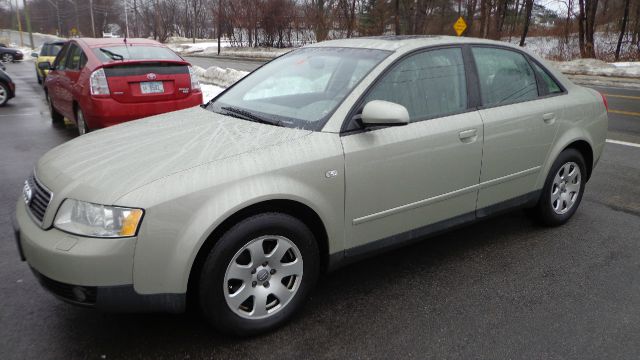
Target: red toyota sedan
{"points": [[103, 82]]}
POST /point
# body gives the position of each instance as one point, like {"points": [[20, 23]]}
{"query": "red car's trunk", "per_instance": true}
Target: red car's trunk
{"points": [[136, 81]]}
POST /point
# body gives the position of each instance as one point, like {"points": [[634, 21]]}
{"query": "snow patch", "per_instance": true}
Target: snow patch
{"points": [[219, 76], [209, 92]]}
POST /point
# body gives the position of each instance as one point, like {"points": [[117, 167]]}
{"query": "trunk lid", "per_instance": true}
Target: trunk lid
{"points": [[147, 81]]}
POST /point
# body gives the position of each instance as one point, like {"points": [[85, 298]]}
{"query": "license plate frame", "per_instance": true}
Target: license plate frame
{"points": [[152, 87]]}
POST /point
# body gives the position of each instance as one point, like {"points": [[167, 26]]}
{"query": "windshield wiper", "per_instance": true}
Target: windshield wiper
{"points": [[247, 115], [111, 54]]}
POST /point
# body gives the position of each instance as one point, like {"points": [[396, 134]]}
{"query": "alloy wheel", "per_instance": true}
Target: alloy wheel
{"points": [[263, 276], [565, 188], [7, 57], [3, 94]]}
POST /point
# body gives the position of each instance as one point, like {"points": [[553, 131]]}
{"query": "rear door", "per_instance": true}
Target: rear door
{"points": [[520, 123], [69, 85]]}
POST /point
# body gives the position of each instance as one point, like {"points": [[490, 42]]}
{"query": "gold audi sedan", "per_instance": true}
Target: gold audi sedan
{"points": [[330, 153]]}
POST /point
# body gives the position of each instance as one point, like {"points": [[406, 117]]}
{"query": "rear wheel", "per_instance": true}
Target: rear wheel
{"points": [[56, 117], [258, 274], [563, 189], [4, 94], [81, 123]]}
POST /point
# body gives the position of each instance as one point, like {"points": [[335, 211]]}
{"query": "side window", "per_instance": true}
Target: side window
{"points": [[429, 84], [549, 85], [74, 58], [505, 76], [59, 63]]}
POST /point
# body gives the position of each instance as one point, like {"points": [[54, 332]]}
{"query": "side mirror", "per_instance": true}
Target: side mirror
{"points": [[34, 54], [45, 65], [384, 113]]}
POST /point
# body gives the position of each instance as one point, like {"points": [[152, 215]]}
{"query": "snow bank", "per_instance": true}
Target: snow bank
{"points": [[209, 92], [219, 76], [595, 67]]}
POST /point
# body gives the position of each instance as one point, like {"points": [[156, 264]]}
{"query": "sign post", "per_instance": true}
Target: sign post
{"points": [[460, 26]]}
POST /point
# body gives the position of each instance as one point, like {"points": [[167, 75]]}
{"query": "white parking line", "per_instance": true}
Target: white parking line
{"points": [[623, 143], [20, 114]]}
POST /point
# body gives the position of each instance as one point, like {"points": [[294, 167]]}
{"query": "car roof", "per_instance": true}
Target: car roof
{"points": [[95, 42], [404, 42]]}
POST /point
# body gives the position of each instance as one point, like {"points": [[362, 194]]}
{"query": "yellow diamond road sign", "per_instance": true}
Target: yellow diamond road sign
{"points": [[460, 26]]}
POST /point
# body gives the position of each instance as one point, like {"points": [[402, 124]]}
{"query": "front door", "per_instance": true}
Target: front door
{"points": [[405, 178]]}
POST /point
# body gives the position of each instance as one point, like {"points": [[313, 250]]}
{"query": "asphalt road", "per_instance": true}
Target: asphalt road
{"points": [[502, 288]]}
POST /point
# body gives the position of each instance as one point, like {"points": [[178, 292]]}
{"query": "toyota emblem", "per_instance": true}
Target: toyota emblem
{"points": [[151, 76]]}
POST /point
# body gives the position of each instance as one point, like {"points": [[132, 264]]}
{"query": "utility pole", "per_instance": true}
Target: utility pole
{"points": [[219, 23], [57, 6], [28, 21], [126, 18], [19, 24], [93, 25]]}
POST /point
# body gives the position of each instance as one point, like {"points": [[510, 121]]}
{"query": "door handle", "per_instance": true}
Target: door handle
{"points": [[549, 118], [468, 136]]}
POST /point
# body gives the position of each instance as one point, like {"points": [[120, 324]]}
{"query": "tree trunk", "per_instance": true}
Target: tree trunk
{"points": [[483, 17], [471, 12], [527, 19], [581, 17], [623, 28], [396, 17], [592, 7]]}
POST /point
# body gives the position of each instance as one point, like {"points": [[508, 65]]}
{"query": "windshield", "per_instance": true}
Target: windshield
{"points": [[135, 52], [300, 89], [50, 49]]}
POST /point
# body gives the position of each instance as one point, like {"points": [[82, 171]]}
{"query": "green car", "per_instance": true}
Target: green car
{"points": [[330, 153], [47, 53]]}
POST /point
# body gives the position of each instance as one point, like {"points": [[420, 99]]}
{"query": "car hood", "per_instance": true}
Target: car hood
{"points": [[105, 165]]}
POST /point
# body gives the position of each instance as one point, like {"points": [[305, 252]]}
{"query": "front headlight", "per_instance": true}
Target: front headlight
{"points": [[87, 219]]}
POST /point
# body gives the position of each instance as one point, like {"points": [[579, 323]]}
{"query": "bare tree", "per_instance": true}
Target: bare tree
{"points": [[623, 28]]}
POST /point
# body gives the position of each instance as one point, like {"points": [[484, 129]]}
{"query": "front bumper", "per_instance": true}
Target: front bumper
{"points": [[87, 271]]}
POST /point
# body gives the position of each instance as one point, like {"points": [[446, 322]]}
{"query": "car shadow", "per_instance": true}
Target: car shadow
{"points": [[349, 298]]}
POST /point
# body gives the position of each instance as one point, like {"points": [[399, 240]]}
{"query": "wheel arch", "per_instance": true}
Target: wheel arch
{"points": [[585, 149], [291, 207]]}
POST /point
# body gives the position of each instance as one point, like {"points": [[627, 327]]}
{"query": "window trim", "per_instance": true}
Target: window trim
{"points": [[357, 107], [529, 60]]}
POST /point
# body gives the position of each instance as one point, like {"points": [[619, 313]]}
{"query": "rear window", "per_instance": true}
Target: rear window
{"points": [[134, 52], [50, 49]]}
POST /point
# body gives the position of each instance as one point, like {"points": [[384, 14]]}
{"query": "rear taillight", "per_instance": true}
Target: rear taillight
{"points": [[195, 84], [604, 100], [98, 83]]}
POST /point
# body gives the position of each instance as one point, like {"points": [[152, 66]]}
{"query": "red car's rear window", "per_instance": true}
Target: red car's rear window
{"points": [[135, 52]]}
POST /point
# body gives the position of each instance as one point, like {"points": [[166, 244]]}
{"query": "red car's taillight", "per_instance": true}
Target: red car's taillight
{"points": [[195, 83], [604, 100], [98, 83]]}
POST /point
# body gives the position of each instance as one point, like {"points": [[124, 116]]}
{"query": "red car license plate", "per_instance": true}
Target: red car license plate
{"points": [[151, 87]]}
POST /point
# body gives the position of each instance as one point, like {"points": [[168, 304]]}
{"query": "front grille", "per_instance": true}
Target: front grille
{"points": [[82, 295], [40, 198]]}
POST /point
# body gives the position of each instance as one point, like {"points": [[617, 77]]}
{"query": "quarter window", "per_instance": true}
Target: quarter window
{"points": [[549, 86], [505, 76], [429, 84]]}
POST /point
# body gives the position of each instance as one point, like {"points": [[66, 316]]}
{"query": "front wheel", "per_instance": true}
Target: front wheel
{"points": [[563, 189], [7, 57], [258, 274], [4, 94]]}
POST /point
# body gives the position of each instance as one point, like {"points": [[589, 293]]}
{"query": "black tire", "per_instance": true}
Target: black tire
{"points": [[38, 78], [4, 89], [81, 123], [211, 294], [544, 210], [56, 117], [7, 57]]}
